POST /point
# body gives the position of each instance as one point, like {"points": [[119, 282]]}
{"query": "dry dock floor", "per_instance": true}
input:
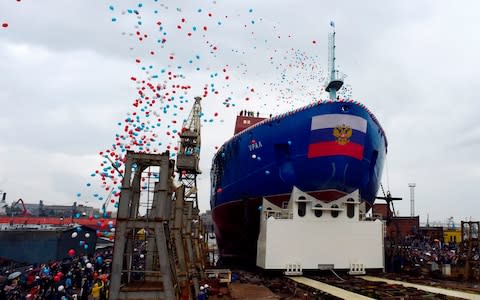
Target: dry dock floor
{"points": [[330, 289], [251, 291], [453, 293], [237, 291]]}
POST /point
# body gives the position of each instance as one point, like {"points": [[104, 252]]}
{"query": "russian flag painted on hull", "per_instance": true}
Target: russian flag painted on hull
{"points": [[337, 134]]}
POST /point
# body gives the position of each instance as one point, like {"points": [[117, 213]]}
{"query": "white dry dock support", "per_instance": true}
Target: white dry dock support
{"points": [[316, 234]]}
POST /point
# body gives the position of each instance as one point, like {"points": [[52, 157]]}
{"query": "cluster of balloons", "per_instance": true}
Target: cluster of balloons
{"points": [[183, 52]]}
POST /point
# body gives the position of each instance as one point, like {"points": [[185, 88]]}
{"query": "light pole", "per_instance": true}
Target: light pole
{"points": [[412, 198]]}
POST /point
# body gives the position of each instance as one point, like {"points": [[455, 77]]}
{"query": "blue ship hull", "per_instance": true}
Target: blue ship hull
{"points": [[300, 148]]}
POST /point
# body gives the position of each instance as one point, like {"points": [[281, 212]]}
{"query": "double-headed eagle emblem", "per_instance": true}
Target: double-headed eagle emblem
{"points": [[342, 133]]}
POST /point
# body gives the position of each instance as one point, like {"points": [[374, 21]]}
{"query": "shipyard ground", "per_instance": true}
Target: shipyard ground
{"points": [[378, 285]]}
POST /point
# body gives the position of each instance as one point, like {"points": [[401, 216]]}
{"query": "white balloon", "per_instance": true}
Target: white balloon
{"points": [[87, 235], [60, 288], [74, 235], [89, 265]]}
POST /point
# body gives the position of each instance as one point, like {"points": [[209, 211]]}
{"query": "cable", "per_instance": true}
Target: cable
{"points": [[388, 179], [337, 275]]}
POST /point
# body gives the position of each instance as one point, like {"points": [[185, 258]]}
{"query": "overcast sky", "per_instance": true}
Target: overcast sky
{"points": [[71, 72]]}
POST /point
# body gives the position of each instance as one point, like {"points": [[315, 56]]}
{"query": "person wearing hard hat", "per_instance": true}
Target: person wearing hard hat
{"points": [[205, 290], [201, 294]]}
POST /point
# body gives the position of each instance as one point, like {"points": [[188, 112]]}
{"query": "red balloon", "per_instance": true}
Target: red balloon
{"points": [[71, 252], [56, 278]]}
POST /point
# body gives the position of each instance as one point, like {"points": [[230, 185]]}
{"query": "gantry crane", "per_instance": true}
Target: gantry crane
{"points": [[188, 155]]}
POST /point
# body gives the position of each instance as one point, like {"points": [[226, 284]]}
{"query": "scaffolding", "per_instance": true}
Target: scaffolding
{"points": [[469, 250], [143, 264], [159, 247]]}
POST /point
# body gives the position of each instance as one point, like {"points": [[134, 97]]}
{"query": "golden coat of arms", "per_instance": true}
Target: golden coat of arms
{"points": [[342, 133]]}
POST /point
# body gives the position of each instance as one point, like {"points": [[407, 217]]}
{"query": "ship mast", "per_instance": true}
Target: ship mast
{"points": [[336, 81]]}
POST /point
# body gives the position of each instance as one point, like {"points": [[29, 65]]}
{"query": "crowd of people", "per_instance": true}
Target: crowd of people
{"points": [[76, 277], [418, 252]]}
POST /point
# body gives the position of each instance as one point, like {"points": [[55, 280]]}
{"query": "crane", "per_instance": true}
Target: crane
{"points": [[188, 155], [106, 203], [25, 211], [389, 199]]}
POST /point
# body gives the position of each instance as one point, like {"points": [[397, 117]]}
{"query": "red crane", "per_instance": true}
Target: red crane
{"points": [[25, 211]]}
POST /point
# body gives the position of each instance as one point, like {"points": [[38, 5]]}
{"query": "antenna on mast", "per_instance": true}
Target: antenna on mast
{"points": [[336, 81]]}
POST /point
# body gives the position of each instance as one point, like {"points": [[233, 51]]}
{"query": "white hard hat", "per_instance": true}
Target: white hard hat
{"points": [[201, 288]]}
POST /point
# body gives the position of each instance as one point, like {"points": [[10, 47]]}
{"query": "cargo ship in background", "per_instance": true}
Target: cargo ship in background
{"points": [[327, 149], [51, 230]]}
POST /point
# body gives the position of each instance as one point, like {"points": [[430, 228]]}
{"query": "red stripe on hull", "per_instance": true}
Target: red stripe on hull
{"points": [[334, 148], [97, 224]]}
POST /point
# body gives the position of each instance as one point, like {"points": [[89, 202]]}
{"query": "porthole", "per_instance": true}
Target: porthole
{"points": [[350, 208], [318, 212], [335, 212], [302, 209]]}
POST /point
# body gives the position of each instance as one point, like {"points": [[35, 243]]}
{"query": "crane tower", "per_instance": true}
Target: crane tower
{"points": [[188, 155]]}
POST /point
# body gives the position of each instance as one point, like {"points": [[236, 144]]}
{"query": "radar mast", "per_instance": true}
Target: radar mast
{"points": [[336, 81]]}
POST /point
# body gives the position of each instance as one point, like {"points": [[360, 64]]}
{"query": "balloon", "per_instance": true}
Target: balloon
{"points": [[87, 235], [60, 288], [74, 235], [89, 265], [99, 259], [56, 278], [71, 252]]}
